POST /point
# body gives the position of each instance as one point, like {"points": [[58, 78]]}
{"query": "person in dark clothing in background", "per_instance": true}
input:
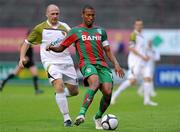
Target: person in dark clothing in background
{"points": [[29, 65]]}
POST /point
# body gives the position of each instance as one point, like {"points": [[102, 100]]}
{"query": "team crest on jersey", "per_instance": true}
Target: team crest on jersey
{"points": [[88, 70], [79, 31]]}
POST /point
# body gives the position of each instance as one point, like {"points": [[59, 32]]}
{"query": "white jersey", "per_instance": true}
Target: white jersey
{"points": [[46, 34], [137, 41]]}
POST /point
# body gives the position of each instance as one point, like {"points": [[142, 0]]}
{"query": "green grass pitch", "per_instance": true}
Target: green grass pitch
{"points": [[22, 111]]}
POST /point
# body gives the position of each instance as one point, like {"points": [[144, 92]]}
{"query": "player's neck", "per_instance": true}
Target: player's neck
{"points": [[137, 31], [87, 26], [54, 25]]}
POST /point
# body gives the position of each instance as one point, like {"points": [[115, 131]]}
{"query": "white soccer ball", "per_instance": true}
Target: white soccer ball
{"points": [[109, 122]]}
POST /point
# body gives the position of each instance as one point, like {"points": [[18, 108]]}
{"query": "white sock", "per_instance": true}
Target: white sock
{"points": [[66, 91], [121, 88], [141, 88], [147, 90], [152, 88], [62, 103]]}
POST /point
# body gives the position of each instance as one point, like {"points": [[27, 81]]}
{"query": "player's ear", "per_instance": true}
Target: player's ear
{"points": [[82, 14], [47, 13]]}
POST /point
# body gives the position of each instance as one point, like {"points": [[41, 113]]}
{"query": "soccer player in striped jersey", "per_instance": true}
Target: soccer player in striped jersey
{"points": [[90, 43]]}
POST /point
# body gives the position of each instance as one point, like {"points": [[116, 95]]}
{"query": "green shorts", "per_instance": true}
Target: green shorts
{"points": [[104, 73]]}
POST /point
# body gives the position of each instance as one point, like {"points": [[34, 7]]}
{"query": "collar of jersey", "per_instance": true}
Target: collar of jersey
{"points": [[82, 25], [55, 27], [137, 32]]}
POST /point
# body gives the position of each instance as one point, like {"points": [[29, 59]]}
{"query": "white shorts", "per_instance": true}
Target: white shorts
{"points": [[148, 72], [139, 71], [66, 72]]}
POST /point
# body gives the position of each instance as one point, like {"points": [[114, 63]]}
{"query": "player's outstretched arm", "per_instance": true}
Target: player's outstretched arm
{"points": [[112, 58], [61, 48], [23, 51]]}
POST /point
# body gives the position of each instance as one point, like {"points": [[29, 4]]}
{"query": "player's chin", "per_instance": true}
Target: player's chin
{"points": [[54, 21], [90, 24]]}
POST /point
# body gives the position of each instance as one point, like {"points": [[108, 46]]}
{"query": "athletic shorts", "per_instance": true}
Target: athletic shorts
{"points": [[104, 73], [66, 72], [139, 71]]}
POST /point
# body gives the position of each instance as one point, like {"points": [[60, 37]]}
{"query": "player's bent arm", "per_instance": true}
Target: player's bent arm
{"points": [[132, 44], [64, 44], [23, 51], [113, 59], [132, 49], [61, 48]]}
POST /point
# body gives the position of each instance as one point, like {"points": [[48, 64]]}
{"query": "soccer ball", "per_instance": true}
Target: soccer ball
{"points": [[109, 122]]}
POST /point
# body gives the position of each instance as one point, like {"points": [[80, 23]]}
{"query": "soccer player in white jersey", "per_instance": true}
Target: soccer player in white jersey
{"points": [[153, 56], [59, 66], [137, 60]]}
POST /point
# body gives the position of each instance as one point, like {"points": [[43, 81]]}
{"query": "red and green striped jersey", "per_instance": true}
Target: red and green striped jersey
{"points": [[89, 43]]}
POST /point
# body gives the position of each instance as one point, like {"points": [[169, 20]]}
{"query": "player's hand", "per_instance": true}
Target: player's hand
{"points": [[146, 58], [119, 71], [22, 62], [48, 47]]}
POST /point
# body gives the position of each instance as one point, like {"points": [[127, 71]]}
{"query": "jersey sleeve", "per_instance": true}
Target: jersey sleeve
{"points": [[104, 38], [132, 40], [34, 37], [104, 35], [70, 39], [67, 27]]}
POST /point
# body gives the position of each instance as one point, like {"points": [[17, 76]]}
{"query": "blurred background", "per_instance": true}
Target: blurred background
{"points": [[161, 22]]}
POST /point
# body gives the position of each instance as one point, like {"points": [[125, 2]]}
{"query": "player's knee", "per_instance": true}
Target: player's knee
{"points": [[107, 92], [132, 81], [75, 91], [106, 88], [147, 79], [58, 85], [94, 82]]}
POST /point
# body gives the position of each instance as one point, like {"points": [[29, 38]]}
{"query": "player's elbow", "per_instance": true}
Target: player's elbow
{"points": [[61, 48], [75, 93], [131, 48], [107, 49]]}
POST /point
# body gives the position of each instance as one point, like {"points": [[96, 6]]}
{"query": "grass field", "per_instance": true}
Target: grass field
{"points": [[22, 111]]}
